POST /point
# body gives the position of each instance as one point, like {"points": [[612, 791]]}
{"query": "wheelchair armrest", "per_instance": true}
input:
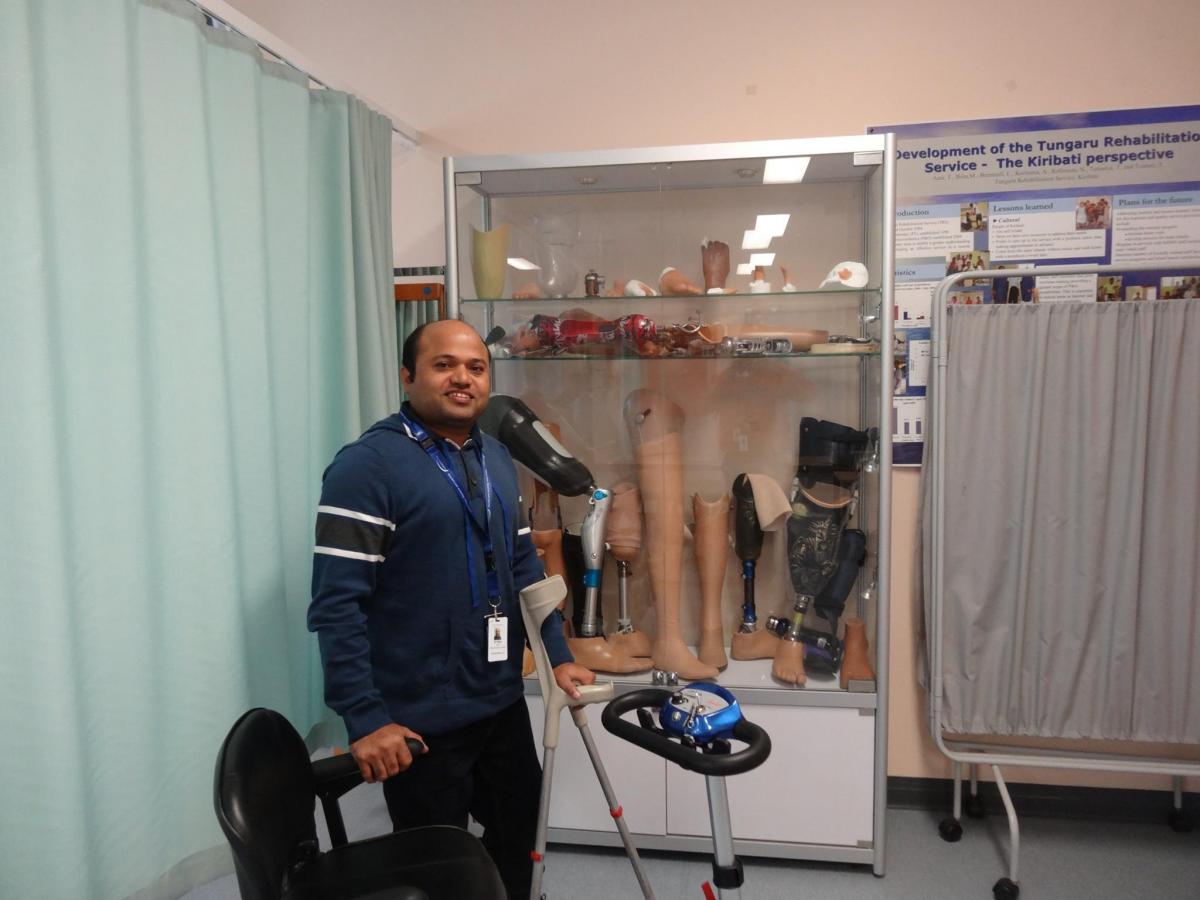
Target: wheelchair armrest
{"points": [[333, 777], [337, 775]]}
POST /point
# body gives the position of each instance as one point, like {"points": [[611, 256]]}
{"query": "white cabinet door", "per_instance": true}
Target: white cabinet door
{"points": [[638, 777], [816, 787]]}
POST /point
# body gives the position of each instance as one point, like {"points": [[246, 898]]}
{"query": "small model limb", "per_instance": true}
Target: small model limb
{"points": [[714, 257], [673, 283], [528, 291]]}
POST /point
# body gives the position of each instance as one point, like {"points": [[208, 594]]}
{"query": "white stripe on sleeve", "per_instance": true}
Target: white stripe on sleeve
{"points": [[351, 514], [348, 554]]}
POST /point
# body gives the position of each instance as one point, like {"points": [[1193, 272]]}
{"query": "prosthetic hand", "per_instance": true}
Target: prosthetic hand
{"points": [[823, 501]]}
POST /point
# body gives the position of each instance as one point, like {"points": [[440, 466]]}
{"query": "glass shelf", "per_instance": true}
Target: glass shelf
{"points": [[704, 299], [683, 357]]}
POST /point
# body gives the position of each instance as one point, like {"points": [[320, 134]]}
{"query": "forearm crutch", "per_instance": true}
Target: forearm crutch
{"points": [[537, 601]]}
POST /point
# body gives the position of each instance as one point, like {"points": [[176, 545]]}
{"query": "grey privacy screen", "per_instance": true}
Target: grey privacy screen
{"points": [[1072, 452]]}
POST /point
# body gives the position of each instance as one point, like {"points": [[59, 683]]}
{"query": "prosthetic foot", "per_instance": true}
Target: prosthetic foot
{"points": [[655, 425], [856, 664], [624, 541], [825, 489], [712, 530]]}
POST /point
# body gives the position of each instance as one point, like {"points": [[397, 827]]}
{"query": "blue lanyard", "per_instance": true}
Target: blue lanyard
{"points": [[429, 445]]}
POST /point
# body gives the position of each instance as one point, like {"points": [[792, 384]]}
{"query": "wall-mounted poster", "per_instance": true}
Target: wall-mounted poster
{"points": [[1117, 187]]}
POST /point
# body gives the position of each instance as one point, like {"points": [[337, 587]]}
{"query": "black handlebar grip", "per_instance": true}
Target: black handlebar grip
{"points": [[747, 535], [718, 764]]}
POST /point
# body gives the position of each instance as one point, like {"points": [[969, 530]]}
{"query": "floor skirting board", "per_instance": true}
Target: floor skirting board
{"points": [[1059, 801]]}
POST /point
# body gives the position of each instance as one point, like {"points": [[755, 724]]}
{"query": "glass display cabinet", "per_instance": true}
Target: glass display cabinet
{"points": [[709, 330]]}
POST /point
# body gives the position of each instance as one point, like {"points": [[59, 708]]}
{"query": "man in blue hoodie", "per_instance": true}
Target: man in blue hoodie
{"points": [[419, 560]]}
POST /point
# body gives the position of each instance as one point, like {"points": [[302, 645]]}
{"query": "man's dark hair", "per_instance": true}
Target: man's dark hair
{"points": [[408, 354]]}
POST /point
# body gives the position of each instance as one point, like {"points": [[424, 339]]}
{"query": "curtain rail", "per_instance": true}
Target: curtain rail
{"points": [[214, 18]]}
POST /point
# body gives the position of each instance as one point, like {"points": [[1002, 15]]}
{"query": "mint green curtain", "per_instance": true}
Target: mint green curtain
{"points": [[195, 313]]}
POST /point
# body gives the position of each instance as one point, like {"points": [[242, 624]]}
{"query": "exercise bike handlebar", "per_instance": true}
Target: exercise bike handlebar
{"points": [[758, 743]]}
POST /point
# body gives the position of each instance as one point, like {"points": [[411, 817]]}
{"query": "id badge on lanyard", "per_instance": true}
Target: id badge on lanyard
{"points": [[496, 624]]}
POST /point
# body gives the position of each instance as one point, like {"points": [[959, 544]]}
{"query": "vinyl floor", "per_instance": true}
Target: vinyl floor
{"points": [[1059, 858]]}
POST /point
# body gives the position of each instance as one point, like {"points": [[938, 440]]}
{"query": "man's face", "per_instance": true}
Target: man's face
{"points": [[452, 381]]}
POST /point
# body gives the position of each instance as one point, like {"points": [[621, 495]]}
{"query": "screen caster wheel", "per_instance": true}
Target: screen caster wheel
{"points": [[1005, 889], [973, 807], [1180, 821], [950, 830]]}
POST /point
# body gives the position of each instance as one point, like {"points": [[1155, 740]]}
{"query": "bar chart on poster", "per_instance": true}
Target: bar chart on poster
{"points": [[1120, 187]]}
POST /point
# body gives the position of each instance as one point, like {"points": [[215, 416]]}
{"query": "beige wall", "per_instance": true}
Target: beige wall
{"points": [[526, 76]]}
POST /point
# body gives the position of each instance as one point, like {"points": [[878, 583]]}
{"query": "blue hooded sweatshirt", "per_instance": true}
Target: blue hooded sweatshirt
{"points": [[401, 630]]}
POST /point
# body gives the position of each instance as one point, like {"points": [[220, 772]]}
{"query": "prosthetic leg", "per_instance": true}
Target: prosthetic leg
{"points": [[589, 646], [712, 547], [624, 541], [823, 501], [655, 425], [755, 498], [537, 601]]}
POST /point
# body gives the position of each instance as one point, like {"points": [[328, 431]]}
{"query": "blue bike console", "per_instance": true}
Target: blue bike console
{"points": [[701, 712]]}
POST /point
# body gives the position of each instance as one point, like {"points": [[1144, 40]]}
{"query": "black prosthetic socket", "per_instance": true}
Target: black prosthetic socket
{"points": [[516, 426], [830, 452]]}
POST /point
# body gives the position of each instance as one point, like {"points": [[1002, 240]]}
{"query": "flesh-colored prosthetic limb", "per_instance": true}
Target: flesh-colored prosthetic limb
{"points": [[537, 602], [655, 429], [624, 542], [673, 283], [856, 663], [712, 550]]}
